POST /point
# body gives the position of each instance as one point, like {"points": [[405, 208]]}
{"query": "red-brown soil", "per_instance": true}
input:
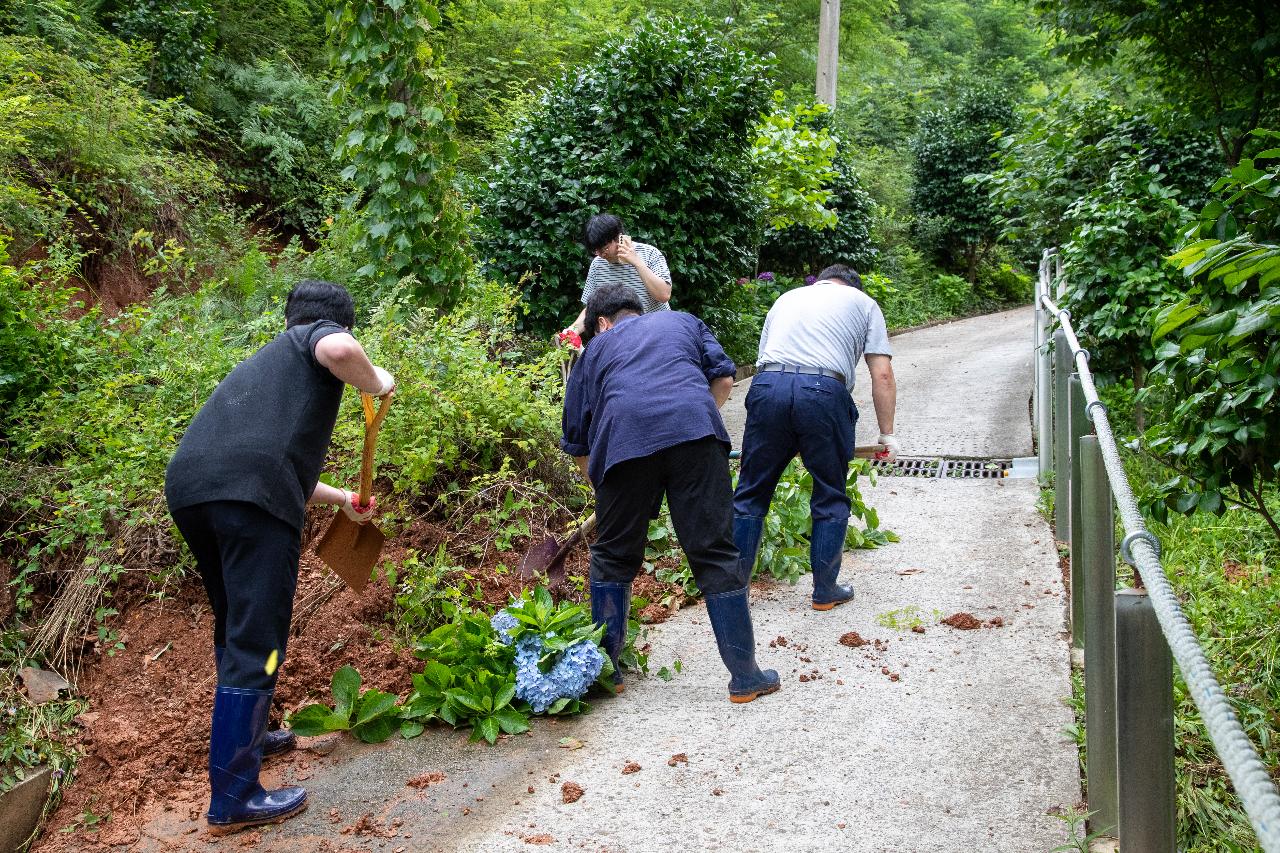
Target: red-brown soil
{"points": [[962, 621], [852, 639], [571, 792], [145, 734]]}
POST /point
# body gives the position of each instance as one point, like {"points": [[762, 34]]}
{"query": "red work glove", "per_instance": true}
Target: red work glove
{"points": [[355, 512], [570, 338]]}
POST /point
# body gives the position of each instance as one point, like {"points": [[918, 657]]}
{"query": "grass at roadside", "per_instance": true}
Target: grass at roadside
{"points": [[1223, 569]]}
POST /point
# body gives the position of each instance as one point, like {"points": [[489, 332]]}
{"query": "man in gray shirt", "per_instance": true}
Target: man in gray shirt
{"points": [[617, 259], [800, 402]]}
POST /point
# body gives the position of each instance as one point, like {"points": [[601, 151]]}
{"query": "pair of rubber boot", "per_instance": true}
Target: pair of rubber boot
{"points": [[826, 545], [238, 739], [730, 621]]}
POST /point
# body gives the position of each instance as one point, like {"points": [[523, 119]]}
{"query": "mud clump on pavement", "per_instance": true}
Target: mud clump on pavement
{"points": [[853, 640], [631, 767], [917, 629], [678, 758], [426, 779], [962, 621], [571, 792], [995, 622]]}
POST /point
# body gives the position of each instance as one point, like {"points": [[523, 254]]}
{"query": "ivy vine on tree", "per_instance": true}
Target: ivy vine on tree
{"points": [[398, 145]]}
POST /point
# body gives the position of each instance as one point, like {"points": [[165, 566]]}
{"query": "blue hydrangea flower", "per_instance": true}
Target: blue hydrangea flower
{"points": [[573, 673], [502, 622]]}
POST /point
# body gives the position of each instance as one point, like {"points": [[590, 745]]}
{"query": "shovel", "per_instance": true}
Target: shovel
{"points": [[548, 555], [865, 451], [349, 548]]}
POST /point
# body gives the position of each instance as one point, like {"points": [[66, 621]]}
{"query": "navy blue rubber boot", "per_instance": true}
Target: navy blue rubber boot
{"points": [[277, 740], [747, 530], [731, 621], [826, 544], [611, 607], [235, 757]]}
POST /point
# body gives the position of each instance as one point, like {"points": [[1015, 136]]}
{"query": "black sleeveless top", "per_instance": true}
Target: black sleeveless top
{"points": [[262, 436]]}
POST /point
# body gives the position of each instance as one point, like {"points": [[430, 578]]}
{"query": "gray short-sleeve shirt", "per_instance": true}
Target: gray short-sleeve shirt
{"points": [[602, 272], [826, 324]]}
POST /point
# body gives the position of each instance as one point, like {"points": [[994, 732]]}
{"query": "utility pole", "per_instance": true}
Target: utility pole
{"points": [[828, 51]]}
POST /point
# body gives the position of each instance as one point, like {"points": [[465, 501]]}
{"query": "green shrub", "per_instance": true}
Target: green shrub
{"points": [[1218, 353], [89, 158], [658, 132], [1116, 268], [179, 33], [793, 156], [279, 126], [1001, 282], [805, 251], [954, 291], [952, 143]]}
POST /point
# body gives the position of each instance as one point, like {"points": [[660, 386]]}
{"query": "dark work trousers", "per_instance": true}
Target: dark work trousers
{"points": [[789, 413], [248, 561], [695, 477]]}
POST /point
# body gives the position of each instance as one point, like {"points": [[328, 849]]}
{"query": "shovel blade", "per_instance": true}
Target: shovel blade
{"points": [[538, 558], [351, 550]]}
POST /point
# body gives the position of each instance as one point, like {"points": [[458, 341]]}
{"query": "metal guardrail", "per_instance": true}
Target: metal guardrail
{"points": [[1130, 637]]}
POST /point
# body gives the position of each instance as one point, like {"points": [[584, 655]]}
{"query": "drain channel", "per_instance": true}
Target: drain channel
{"points": [[943, 468]]}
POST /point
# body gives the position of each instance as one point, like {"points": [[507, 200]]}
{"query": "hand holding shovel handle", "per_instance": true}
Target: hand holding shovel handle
{"points": [[372, 424], [349, 547]]}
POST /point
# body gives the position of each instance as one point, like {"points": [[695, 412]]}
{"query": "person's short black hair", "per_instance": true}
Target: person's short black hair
{"points": [[312, 299], [601, 229], [609, 301], [844, 273]]}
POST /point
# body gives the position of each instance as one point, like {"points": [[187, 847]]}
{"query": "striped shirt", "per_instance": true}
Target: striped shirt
{"points": [[826, 324], [602, 272]]}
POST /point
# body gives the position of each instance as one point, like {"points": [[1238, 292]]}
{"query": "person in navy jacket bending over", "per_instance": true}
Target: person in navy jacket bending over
{"points": [[642, 418]]}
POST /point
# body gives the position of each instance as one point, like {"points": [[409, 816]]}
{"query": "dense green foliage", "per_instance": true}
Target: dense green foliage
{"points": [[658, 131], [167, 172], [794, 156], [954, 142], [805, 250], [399, 146], [1218, 353], [280, 126], [1215, 64]]}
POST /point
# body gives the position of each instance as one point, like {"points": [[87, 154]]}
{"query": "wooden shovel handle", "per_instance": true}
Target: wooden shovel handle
{"points": [[372, 423]]}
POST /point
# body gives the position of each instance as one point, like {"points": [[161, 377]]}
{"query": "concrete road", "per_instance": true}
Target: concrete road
{"points": [[933, 739]]}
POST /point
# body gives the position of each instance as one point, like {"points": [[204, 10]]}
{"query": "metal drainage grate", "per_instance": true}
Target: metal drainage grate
{"points": [[901, 467], [980, 469], [976, 469]]}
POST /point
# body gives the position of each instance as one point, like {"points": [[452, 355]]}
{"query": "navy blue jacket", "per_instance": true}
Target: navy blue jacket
{"points": [[641, 387]]}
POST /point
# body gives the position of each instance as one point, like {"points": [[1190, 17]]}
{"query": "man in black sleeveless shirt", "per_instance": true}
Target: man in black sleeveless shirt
{"points": [[238, 488]]}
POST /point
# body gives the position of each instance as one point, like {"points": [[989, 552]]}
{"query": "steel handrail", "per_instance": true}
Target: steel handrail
{"points": [[1141, 549]]}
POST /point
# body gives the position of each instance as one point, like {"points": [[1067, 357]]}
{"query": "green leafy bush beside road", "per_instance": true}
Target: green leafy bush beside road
{"points": [[1217, 355]]}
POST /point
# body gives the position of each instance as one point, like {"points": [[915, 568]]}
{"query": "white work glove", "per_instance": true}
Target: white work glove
{"points": [[891, 448], [357, 514], [388, 382]]}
